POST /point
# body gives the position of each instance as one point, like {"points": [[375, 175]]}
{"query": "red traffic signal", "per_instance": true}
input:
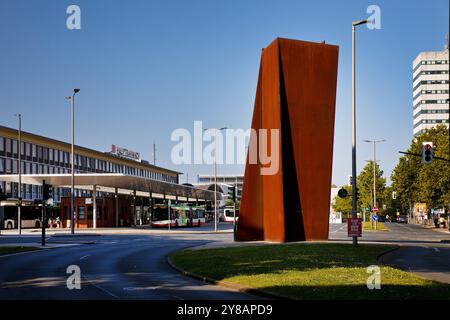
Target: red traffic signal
{"points": [[427, 152]]}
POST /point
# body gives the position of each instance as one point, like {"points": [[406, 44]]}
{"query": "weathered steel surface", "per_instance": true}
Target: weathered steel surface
{"points": [[296, 94]]}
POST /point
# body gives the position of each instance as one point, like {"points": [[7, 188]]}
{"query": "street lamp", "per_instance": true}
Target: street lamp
{"points": [[354, 193], [19, 215], [374, 167], [215, 173], [72, 196]]}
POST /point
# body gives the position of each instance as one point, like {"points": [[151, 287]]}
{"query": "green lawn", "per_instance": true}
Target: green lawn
{"points": [[309, 271], [380, 227], [8, 250]]}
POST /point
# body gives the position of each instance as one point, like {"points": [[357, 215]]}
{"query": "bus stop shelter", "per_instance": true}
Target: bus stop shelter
{"points": [[117, 184]]}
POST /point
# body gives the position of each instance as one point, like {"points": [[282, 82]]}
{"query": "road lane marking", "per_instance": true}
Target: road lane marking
{"points": [[100, 288], [83, 257], [436, 249]]}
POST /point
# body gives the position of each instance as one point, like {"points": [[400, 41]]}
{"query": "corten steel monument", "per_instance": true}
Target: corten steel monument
{"points": [[296, 94]]}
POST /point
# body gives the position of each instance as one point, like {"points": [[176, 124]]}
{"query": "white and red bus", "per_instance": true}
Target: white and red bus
{"points": [[228, 214], [198, 215], [179, 216], [31, 215]]}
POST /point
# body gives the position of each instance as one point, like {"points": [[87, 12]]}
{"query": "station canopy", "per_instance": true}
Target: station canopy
{"points": [[108, 182]]}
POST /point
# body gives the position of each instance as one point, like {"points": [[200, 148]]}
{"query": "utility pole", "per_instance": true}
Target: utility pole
{"points": [[19, 206], [43, 215]]}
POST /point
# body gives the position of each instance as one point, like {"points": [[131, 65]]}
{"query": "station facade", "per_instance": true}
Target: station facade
{"points": [[43, 155]]}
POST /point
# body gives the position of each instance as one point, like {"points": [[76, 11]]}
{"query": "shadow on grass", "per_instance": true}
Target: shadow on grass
{"points": [[361, 292]]}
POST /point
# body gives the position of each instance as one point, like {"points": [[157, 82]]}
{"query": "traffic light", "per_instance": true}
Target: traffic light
{"points": [[232, 193], [427, 152], [47, 191], [350, 181]]}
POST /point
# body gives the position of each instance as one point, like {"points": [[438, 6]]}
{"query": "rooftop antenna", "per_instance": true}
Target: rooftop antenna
{"points": [[154, 153]]}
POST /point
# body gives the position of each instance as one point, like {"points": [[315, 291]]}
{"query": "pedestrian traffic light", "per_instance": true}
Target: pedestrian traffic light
{"points": [[427, 152], [232, 193], [47, 191]]}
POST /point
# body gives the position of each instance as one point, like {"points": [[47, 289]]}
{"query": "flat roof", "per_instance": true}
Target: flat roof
{"points": [[107, 182], [52, 142]]}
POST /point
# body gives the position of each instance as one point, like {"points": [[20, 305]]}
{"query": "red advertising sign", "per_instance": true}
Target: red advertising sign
{"points": [[354, 227]]}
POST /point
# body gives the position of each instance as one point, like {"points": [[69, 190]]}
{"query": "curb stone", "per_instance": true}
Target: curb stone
{"points": [[229, 285]]}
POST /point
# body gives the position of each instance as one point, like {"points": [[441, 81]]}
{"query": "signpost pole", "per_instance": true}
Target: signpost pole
{"points": [[168, 212], [43, 216]]}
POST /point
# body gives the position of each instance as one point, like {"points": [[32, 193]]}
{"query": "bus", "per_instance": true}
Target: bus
{"points": [[198, 215], [228, 214], [181, 215], [31, 214]]}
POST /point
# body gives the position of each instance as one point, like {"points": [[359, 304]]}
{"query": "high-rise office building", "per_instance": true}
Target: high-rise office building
{"points": [[430, 90]]}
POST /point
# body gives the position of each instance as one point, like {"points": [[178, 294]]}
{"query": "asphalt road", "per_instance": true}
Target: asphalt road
{"points": [[115, 267], [399, 233], [423, 251], [133, 266]]}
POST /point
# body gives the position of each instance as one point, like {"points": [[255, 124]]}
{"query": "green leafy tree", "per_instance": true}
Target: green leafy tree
{"points": [[430, 183], [365, 185], [344, 205]]}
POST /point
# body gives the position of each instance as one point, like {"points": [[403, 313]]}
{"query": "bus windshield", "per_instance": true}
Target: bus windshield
{"points": [[160, 213]]}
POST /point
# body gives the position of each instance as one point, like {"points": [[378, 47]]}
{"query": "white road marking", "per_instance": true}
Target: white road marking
{"points": [[83, 257], [100, 288], [436, 249]]}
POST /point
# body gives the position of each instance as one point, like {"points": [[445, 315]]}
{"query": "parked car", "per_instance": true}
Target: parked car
{"points": [[402, 219], [381, 218]]}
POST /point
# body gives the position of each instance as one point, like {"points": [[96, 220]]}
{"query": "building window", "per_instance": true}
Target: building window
{"points": [[81, 215], [2, 146], [34, 152], [8, 147]]}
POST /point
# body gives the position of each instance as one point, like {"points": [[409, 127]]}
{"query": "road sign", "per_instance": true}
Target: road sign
{"points": [[354, 227], [342, 193], [375, 217], [375, 209]]}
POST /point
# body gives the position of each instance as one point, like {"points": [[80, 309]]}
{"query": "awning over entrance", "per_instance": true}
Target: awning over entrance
{"points": [[108, 182]]}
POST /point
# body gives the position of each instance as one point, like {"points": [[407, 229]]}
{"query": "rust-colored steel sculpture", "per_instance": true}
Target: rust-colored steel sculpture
{"points": [[296, 94]]}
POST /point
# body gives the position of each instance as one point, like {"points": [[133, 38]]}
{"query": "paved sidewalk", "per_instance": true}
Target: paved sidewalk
{"points": [[429, 262], [208, 228]]}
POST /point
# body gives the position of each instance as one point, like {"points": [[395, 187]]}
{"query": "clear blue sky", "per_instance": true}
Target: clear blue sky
{"points": [[146, 68]]}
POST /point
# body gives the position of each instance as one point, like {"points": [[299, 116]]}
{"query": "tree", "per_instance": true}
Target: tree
{"points": [[344, 205], [365, 185], [429, 183]]}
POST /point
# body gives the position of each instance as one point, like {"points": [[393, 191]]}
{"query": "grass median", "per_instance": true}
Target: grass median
{"points": [[309, 271], [9, 250], [380, 227]]}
